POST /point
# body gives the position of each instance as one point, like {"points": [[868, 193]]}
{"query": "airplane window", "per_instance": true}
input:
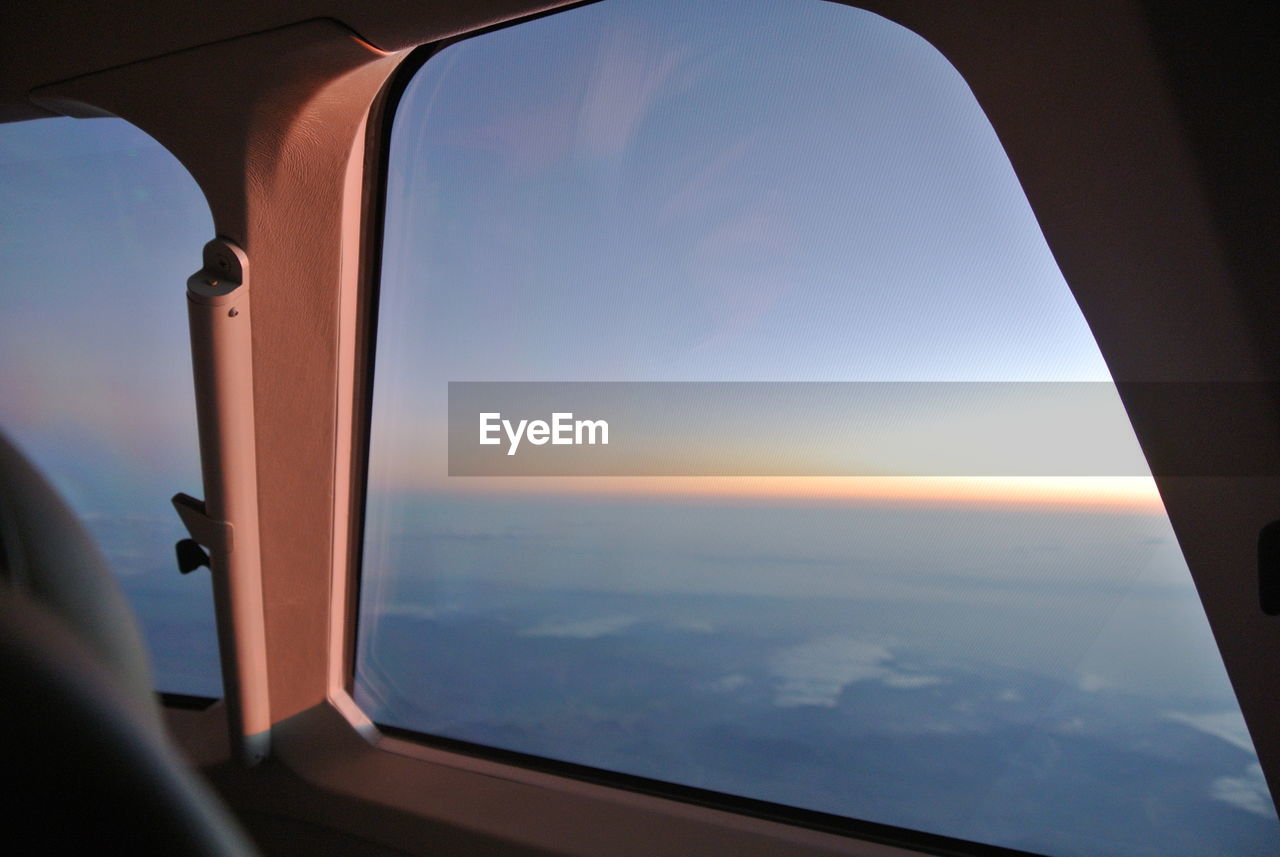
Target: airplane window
{"points": [[776, 255], [101, 228]]}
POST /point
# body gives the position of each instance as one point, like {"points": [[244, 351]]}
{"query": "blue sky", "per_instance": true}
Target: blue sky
{"points": [[655, 191], [99, 229], [661, 191]]}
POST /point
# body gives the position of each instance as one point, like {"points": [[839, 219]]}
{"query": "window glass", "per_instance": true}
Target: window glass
{"points": [[599, 208], [99, 229]]}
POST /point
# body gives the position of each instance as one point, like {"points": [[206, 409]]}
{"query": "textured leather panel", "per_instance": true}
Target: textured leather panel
{"points": [[47, 41]]}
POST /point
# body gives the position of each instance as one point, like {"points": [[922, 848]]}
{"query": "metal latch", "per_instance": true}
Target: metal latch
{"points": [[206, 534]]}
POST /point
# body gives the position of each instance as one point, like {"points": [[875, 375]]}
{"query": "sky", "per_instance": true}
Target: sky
{"points": [[99, 229], [657, 192], [663, 192]]}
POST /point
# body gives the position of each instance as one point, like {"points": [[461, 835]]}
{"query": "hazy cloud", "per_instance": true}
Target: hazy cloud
{"points": [[904, 681], [417, 611], [728, 683], [1227, 725], [1248, 792], [1091, 682], [815, 673], [585, 629]]}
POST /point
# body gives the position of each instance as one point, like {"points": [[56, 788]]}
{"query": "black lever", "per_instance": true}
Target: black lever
{"points": [[190, 556]]}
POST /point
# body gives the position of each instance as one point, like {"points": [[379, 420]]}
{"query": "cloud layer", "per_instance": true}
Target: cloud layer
{"points": [[816, 672]]}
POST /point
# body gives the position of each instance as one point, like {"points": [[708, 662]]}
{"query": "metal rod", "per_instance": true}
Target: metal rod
{"points": [[222, 361]]}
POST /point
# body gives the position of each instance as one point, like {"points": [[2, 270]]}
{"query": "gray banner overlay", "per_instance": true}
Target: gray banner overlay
{"points": [[846, 429]]}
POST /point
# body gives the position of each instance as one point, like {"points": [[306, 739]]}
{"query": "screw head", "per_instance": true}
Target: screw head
{"points": [[234, 312]]}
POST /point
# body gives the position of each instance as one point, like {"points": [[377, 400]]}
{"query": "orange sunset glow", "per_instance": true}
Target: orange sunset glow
{"points": [[1137, 494]]}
